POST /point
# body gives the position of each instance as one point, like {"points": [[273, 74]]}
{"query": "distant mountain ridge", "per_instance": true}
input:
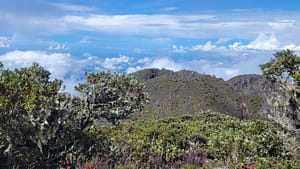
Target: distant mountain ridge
{"points": [[188, 92]]}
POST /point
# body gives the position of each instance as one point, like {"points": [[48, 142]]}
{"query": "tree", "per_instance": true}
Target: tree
{"points": [[39, 126], [26, 95], [111, 96], [284, 69]]}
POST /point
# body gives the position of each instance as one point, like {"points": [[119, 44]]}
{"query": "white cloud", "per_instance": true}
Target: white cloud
{"points": [[112, 63], [64, 66], [59, 47], [70, 68], [133, 69], [236, 45], [206, 47], [4, 42], [171, 8], [179, 49], [213, 25], [159, 63], [166, 63], [145, 60], [222, 40], [292, 47], [73, 8], [280, 25], [61, 65], [264, 42], [136, 24]]}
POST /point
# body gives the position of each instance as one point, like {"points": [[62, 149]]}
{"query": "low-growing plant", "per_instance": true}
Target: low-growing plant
{"points": [[196, 141]]}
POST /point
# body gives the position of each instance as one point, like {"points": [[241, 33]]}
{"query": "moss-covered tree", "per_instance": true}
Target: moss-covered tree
{"points": [[284, 69], [111, 96], [39, 126]]}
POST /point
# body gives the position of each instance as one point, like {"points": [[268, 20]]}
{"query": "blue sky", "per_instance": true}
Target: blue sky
{"points": [[217, 37]]}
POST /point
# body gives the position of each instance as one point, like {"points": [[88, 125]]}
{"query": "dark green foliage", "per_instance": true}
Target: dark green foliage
{"points": [[254, 103], [39, 127], [215, 136], [27, 98], [43, 128], [272, 163], [285, 65]]}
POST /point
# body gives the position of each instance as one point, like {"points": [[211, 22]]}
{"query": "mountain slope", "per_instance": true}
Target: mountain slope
{"points": [[187, 92]]}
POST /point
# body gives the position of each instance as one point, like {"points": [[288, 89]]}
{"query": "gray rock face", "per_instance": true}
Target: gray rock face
{"points": [[275, 100]]}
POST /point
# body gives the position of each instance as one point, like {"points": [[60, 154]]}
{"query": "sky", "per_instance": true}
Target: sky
{"points": [[216, 37]]}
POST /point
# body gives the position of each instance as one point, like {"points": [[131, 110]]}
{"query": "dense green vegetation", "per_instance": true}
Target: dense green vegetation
{"points": [[43, 127], [208, 140], [186, 92]]}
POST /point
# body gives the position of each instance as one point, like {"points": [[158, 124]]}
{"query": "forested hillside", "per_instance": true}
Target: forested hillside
{"points": [[152, 119]]}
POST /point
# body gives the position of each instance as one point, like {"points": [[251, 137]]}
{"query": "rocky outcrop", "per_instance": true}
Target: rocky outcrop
{"points": [[275, 104]]}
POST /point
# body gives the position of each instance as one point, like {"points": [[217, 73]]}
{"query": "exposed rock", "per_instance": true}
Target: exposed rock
{"points": [[275, 100]]}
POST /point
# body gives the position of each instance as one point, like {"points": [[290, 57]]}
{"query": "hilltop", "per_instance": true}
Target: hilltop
{"points": [[188, 92]]}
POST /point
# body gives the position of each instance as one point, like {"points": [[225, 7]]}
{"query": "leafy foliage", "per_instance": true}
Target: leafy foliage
{"points": [[26, 97], [44, 128], [285, 69], [213, 136], [111, 96], [284, 66]]}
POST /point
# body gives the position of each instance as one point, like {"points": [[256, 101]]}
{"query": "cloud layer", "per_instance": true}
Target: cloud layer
{"points": [[69, 39]]}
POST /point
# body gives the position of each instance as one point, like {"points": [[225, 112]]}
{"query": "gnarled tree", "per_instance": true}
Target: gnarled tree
{"points": [[39, 126], [111, 96], [284, 69]]}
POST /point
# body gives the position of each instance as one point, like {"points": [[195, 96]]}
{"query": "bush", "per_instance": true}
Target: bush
{"points": [[193, 141]]}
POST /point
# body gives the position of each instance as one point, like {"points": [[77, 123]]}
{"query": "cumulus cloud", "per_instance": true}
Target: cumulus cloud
{"points": [[206, 47], [159, 63], [166, 63], [112, 63], [65, 66], [264, 42], [61, 65]]}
